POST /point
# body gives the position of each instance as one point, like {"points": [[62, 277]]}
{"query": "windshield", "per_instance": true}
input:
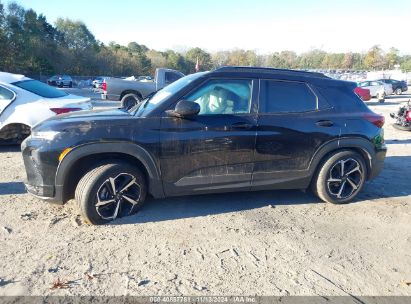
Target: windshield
{"points": [[158, 98], [40, 88]]}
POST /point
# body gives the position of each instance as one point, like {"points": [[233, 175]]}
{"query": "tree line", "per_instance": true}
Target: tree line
{"points": [[30, 45]]}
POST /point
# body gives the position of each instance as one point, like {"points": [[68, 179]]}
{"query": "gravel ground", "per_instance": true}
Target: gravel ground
{"points": [[263, 243]]}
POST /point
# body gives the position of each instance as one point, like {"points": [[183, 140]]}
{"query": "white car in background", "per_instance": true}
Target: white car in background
{"points": [[378, 89], [24, 102]]}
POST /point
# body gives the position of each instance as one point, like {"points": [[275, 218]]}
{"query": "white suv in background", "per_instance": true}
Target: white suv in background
{"points": [[24, 102], [378, 89]]}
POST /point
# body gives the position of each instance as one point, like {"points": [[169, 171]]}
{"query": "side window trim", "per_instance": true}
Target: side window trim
{"points": [[262, 104], [11, 91]]}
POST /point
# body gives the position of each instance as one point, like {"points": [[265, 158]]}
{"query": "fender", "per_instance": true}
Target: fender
{"points": [[362, 144], [134, 150]]}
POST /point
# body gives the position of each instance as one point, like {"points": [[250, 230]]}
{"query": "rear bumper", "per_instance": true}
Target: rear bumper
{"points": [[110, 97], [377, 163]]}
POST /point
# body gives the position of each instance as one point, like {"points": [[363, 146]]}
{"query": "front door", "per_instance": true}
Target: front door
{"points": [[212, 151]]}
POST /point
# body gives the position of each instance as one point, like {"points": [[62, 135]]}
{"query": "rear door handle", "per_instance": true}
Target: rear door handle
{"points": [[324, 123], [241, 126]]}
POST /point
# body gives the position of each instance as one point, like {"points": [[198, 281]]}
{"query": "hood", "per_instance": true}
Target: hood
{"points": [[79, 119], [93, 115]]}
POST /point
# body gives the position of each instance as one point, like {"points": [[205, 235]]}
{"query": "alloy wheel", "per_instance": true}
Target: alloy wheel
{"points": [[345, 178], [118, 196]]}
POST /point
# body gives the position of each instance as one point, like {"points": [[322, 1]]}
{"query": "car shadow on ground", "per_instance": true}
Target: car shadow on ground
{"points": [[399, 96], [9, 148], [213, 204], [389, 184], [398, 141], [385, 103], [12, 188]]}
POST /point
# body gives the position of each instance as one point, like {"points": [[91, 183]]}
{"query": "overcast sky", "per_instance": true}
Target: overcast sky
{"points": [[264, 26]]}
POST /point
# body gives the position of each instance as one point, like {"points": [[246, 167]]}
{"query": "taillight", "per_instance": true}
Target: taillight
{"points": [[104, 86], [408, 116], [64, 110], [375, 119]]}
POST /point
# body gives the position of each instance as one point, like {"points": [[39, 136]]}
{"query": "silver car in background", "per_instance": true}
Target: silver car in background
{"points": [[60, 81], [378, 89]]}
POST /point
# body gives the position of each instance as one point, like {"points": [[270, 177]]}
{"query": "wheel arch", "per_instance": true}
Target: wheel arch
{"points": [[14, 127], [85, 157], [124, 93], [360, 145]]}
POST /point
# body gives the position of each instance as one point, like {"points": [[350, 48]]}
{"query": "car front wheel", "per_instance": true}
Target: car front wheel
{"points": [[110, 191], [398, 91], [340, 177]]}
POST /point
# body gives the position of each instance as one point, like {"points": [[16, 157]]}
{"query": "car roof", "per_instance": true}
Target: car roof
{"points": [[268, 71], [10, 78]]}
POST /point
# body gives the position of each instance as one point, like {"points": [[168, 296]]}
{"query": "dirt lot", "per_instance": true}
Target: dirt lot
{"points": [[265, 243]]}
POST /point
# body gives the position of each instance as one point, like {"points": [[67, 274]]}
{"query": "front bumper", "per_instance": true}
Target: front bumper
{"points": [[50, 194], [41, 166]]}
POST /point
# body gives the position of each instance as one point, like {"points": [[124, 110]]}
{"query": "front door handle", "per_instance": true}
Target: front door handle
{"points": [[241, 126], [324, 123]]}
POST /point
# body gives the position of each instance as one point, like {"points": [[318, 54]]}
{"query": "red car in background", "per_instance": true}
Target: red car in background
{"points": [[364, 94]]}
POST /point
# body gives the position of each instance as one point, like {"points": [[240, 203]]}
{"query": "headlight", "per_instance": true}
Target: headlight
{"points": [[47, 135]]}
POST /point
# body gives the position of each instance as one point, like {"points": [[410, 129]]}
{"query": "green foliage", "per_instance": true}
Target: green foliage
{"points": [[374, 59], [204, 59], [406, 64], [30, 45]]}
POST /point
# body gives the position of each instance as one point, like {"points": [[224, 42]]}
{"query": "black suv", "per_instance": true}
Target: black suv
{"points": [[398, 86], [232, 129]]}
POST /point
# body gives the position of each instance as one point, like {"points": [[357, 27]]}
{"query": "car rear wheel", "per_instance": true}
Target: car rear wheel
{"points": [[398, 91], [130, 100], [110, 191], [340, 177]]}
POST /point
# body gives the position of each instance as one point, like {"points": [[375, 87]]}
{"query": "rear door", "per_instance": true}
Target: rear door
{"points": [[6, 97], [293, 122]]}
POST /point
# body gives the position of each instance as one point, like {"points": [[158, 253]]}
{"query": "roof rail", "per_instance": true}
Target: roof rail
{"points": [[268, 70]]}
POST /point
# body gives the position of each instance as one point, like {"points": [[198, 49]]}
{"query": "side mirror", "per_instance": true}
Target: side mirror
{"points": [[184, 108]]}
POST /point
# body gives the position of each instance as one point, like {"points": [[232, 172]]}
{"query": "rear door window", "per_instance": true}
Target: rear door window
{"points": [[40, 88], [287, 97]]}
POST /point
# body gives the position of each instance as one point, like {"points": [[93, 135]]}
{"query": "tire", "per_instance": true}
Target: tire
{"points": [[398, 91], [130, 100], [70, 84], [328, 182], [97, 182]]}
